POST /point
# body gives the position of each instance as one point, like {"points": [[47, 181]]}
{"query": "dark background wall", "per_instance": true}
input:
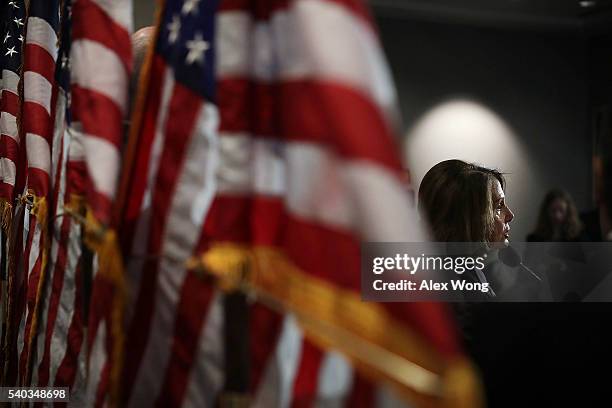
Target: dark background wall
{"points": [[144, 13]]}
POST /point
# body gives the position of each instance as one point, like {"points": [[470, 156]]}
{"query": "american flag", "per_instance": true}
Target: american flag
{"points": [[101, 64], [12, 169], [41, 48], [268, 124], [60, 355], [169, 187], [309, 166]]}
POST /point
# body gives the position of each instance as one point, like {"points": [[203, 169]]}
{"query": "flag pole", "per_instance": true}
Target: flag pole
{"points": [[236, 349]]}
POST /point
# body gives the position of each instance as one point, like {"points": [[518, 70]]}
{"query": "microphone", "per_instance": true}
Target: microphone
{"points": [[508, 256]]}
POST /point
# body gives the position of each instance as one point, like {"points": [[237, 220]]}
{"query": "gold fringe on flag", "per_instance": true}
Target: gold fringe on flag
{"points": [[103, 241], [11, 235], [5, 229], [39, 209], [378, 345], [6, 215]]}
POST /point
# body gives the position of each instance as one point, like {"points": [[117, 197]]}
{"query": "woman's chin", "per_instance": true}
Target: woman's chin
{"points": [[500, 244]]}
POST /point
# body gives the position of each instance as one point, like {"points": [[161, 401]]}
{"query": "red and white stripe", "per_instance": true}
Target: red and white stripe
{"points": [[58, 188], [101, 64], [9, 143], [93, 387], [39, 69], [59, 357], [175, 200]]}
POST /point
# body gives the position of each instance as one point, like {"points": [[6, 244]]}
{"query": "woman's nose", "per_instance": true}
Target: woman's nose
{"points": [[509, 215]]}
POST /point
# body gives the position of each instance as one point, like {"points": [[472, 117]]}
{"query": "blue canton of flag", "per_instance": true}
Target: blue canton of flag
{"points": [[12, 35], [186, 44], [11, 58]]}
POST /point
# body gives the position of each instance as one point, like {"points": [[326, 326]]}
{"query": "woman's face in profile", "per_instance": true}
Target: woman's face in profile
{"points": [[502, 215]]}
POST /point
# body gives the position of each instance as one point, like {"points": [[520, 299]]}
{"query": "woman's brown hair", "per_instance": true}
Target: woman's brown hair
{"points": [[456, 199]]}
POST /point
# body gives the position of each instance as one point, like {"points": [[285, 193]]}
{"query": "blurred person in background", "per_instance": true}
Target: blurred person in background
{"points": [[558, 219], [558, 222]]}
